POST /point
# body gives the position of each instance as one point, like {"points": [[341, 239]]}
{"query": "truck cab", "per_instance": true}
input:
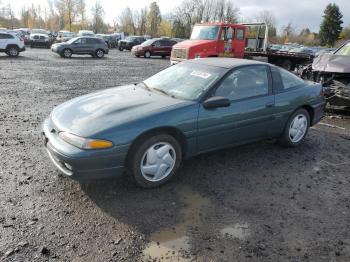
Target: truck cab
{"points": [[211, 40]]}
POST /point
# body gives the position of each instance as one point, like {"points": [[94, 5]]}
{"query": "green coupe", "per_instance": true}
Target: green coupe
{"points": [[200, 105]]}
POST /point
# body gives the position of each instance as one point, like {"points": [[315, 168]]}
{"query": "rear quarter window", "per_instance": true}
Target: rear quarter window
{"points": [[290, 80]]}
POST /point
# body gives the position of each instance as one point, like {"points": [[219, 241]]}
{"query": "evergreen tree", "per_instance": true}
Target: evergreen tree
{"points": [[331, 28]]}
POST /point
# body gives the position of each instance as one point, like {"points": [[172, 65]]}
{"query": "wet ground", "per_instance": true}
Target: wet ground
{"points": [[258, 202]]}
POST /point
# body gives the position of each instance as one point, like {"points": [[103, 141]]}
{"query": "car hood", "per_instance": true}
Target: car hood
{"points": [[97, 112], [332, 63], [191, 43]]}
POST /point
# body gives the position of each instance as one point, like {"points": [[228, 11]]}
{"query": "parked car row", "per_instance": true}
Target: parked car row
{"points": [[299, 49]]}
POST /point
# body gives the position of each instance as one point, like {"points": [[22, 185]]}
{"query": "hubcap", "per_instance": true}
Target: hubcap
{"points": [[298, 128], [67, 52], [99, 53], [148, 54], [158, 162], [13, 51]]}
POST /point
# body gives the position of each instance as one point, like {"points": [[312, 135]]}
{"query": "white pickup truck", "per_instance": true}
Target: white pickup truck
{"points": [[11, 44]]}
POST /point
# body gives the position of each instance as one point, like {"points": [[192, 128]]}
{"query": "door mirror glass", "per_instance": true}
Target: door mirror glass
{"points": [[215, 102]]}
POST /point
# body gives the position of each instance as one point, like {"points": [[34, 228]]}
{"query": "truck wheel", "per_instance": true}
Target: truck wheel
{"points": [[12, 51], [287, 64]]}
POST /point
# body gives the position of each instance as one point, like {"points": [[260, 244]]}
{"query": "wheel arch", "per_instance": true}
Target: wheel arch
{"points": [[12, 45], [311, 112], [169, 130]]}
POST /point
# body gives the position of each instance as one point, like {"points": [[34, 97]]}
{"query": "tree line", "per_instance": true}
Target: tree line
{"points": [[73, 15]]}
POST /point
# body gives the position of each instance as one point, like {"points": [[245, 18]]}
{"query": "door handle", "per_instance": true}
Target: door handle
{"points": [[271, 104]]}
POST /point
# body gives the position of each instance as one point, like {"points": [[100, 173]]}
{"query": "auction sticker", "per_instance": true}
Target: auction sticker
{"points": [[204, 75]]}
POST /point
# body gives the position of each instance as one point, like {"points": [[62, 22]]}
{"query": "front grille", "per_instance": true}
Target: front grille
{"points": [[179, 53]]}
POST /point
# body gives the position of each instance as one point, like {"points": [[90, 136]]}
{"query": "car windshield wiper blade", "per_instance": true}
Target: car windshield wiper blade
{"points": [[161, 91], [146, 86]]}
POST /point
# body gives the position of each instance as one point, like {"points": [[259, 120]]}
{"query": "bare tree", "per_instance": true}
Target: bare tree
{"points": [[269, 19], [97, 18]]}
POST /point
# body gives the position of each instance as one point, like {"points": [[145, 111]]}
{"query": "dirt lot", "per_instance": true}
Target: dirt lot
{"points": [[258, 202]]}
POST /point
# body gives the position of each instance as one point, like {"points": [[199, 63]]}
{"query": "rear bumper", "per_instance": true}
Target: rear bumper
{"points": [[81, 164], [22, 49], [319, 111]]}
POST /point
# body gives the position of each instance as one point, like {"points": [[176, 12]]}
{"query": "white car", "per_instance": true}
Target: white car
{"points": [[11, 44]]}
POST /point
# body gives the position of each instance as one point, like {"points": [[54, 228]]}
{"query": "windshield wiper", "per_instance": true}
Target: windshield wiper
{"points": [[161, 91], [146, 86]]}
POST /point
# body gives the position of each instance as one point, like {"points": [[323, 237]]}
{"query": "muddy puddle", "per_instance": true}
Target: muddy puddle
{"points": [[240, 231], [172, 244]]}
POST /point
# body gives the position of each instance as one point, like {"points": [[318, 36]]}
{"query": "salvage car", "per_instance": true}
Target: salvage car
{"points": [[196, 106], [154, 47], [129, 42], [333, 71], [94, 46]]}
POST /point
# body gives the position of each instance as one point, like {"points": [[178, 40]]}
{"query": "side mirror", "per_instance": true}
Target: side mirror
{"points": [[215, 102]]}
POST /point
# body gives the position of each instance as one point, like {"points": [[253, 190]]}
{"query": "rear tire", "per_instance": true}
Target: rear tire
{"points": [[154, 160], [99, 53], [12, 51], [296, 129]]}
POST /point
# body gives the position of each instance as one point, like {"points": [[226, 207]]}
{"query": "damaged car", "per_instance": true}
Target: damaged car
{"points": [[333, 71]]}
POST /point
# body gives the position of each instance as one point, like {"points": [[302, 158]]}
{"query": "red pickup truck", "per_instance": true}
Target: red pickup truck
{"points": [[234, 40]]}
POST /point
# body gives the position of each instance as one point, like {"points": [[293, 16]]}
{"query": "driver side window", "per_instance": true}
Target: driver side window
{"points": [[245, 82]]}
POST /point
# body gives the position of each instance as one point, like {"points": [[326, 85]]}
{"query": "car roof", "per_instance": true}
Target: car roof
{"points": [[225, 62]]}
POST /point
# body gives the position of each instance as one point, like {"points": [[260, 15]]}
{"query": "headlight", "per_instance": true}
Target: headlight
{"points": [[84, 143]]}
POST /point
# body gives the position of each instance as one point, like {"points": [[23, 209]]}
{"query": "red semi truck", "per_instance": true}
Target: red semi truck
{"points": [[234, 40]]}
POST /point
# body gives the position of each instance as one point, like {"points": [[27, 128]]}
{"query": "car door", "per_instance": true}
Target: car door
{"points": [[79, 45], [157, 48], [249, 115]]}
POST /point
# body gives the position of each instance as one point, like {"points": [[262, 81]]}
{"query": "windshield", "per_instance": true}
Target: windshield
{"points": [[185, 80], [201, 32], [72, 40], [148, 42], [345, 50], [130, 38]]}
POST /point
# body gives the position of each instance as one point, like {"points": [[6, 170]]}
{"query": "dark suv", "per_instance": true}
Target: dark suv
{"points": [[154, 47], [129, 42], [83, 45]]}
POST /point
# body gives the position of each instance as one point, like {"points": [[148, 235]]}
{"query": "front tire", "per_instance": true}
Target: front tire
{"points": [[296, 128], [147, 54], [121, 49], [67, 53], [155, 160]]}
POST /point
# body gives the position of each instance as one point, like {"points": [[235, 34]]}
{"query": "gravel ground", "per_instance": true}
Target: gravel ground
{"points": [[258, 202]]}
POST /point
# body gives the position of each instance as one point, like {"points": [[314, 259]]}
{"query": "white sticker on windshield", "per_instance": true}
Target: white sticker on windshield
{"points": [[204, 75]]}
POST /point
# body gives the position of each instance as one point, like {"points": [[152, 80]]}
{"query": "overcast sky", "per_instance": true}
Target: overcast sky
{"points": [[302, 13]]}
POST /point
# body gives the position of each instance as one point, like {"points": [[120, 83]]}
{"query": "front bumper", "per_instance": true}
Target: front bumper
{"points": [[81, 164]]}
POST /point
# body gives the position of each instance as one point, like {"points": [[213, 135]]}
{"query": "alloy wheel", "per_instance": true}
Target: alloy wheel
{"points": [[158, 161], [13, 51], [298, 128], [99, 53]]}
